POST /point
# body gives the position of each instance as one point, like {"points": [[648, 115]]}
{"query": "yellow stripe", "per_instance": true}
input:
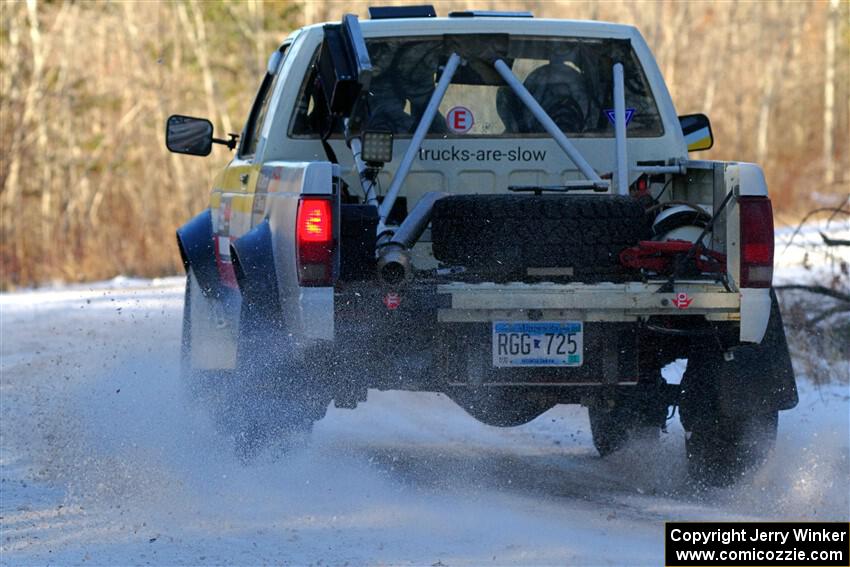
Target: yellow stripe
{"points": [[231, 178], [242, 203]]}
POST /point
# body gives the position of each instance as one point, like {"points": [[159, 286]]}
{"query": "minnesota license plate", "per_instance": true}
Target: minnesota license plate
{"points": [[537, 343]]}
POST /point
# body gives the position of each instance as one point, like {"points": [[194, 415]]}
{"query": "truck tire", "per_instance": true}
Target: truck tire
{"points": [[725, 448], [729, 409], [721, 446], [630, 413], [187, 375], [199, 384], [511, 233], [275, 396], [613, 428], [630, 419]]}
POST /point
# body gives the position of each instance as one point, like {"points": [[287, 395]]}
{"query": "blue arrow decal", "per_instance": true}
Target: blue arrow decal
{"points": [[630, 112]]}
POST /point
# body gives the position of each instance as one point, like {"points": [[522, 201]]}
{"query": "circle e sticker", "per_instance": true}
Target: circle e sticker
{"points": [[460, 120]]}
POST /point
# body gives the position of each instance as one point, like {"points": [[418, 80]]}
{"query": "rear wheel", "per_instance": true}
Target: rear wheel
{"points": [[729, 408], [277, 395], [614, 425], [724, 448], [200, 326], [631, 413], [721, 444]]}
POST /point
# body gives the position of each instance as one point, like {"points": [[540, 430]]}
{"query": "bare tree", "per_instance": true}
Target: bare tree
{"points": [[829, 95], [87, 189]]}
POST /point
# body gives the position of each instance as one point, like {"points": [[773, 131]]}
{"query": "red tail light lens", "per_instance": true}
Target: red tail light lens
{"points": [[314, 220], [315, 242], [756, 242]]}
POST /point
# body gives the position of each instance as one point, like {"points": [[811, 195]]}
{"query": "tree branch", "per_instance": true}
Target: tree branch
{"points": [[834, 241], [833, 210], [818, 289], [828, 313]]}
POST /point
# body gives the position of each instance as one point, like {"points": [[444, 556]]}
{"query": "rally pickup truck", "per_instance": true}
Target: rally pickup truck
{"points": [[495, 207]]}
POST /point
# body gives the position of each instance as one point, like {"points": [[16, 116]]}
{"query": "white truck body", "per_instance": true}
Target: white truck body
{"points": [[311, 309]]}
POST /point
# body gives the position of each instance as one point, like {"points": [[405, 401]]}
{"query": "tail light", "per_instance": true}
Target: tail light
{"points": [[756, 242], [314, 237]]}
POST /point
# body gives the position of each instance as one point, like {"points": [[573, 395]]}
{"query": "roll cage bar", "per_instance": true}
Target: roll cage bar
{"points": [[344, 67]]}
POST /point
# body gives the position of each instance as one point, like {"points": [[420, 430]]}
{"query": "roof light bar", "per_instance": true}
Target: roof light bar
{"points": [[392, 12]]}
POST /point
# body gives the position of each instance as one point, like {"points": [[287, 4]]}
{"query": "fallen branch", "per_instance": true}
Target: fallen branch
{"points": [[828, 313], [818, 289], [834, 210], [834, 241]]}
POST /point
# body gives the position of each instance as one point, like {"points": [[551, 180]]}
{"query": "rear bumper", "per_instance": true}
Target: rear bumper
{"points": [[613, 302]]}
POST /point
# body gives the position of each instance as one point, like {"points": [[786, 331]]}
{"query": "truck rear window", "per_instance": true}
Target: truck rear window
{"points": [[571, 78]]}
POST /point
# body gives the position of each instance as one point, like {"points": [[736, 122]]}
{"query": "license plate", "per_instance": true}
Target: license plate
{"points": [[537, 343]]}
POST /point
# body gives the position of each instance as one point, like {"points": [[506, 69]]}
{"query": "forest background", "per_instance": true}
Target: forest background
{"points": [[88, 190]]}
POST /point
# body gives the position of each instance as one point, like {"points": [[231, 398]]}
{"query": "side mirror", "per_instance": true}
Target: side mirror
{"points": [[697, 131], [187, 135]]}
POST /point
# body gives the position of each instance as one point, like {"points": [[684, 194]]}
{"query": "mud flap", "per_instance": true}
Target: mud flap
{"points": [[196, 244], [254, 264], [760, 378]]}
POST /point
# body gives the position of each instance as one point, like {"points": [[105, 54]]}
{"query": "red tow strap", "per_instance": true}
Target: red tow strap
{"points": [[658, 256]]}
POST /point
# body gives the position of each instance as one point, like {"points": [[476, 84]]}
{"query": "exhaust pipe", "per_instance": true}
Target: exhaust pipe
{"points": [[393, 250], [394, 265]]}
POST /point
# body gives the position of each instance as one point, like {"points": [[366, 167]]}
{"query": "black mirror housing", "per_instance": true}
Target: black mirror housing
{"points": [[344, 68], [697, 131], [189, 135]]}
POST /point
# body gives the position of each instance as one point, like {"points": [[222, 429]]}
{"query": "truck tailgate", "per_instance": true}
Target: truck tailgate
{"points": [[588, 302]]}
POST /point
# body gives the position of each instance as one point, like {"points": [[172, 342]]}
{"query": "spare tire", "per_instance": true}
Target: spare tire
{"points": [[511, 233]]}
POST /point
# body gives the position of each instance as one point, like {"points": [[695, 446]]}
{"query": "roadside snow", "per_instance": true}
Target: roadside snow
{"points": [[801, 257], [119, 288]]}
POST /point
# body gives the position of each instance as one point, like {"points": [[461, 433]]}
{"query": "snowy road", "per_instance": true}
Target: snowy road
{"points": [[102, 462]]}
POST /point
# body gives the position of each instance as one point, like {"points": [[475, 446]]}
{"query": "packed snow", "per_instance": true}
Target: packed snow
{"points": [[104, 462]]}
